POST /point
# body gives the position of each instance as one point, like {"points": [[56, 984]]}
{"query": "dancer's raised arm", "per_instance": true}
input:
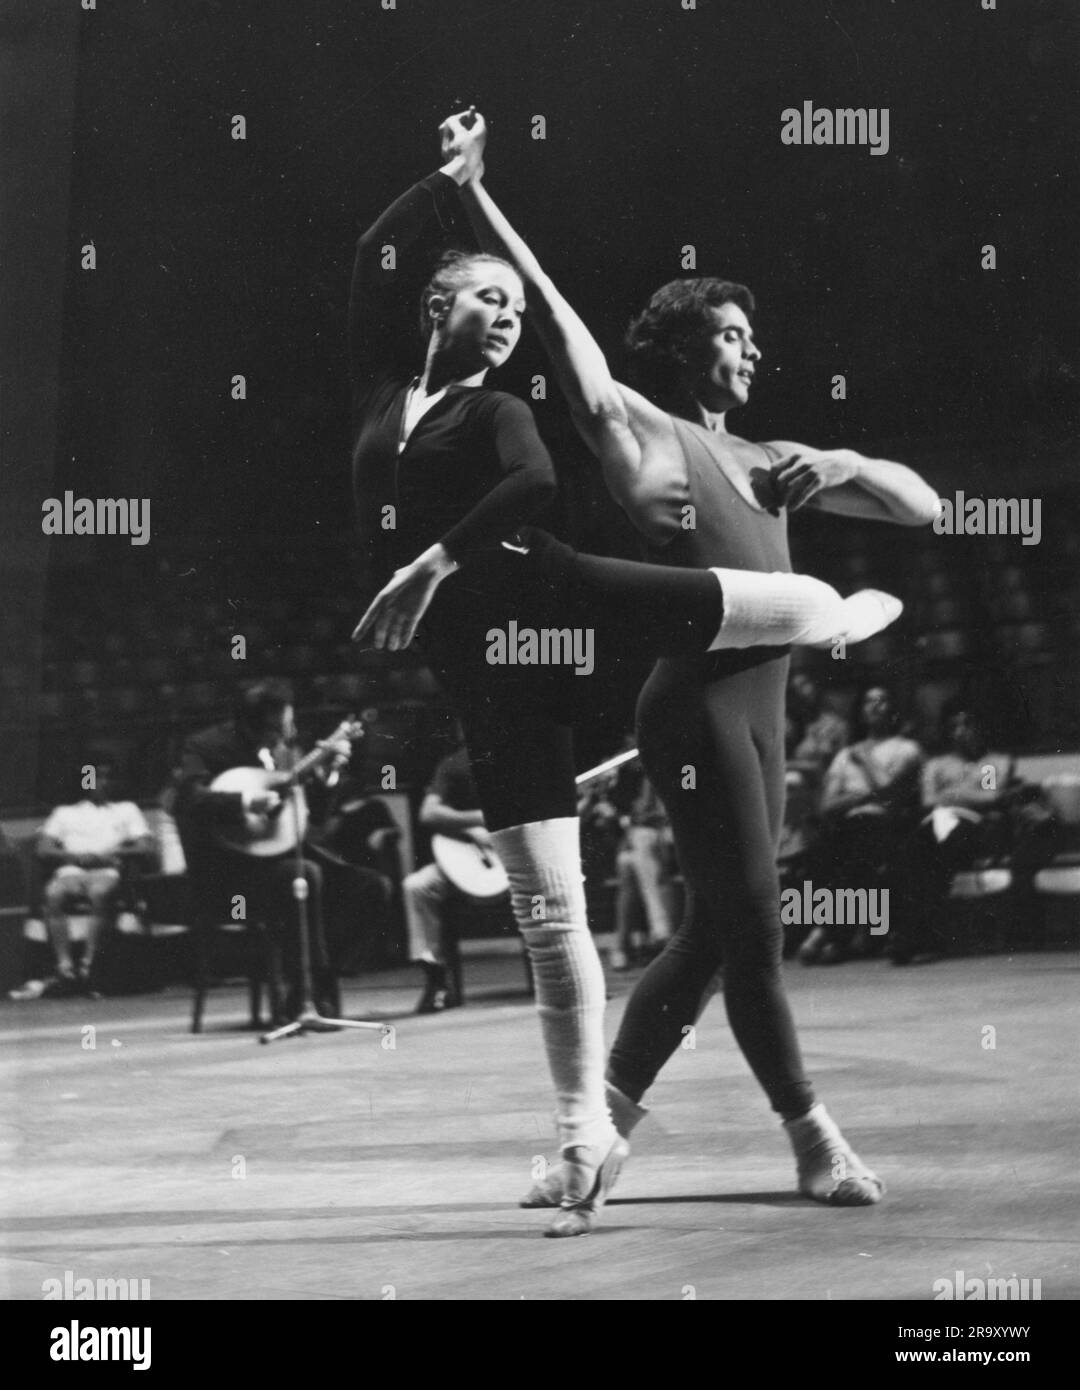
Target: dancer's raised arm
{"points": [[633, 439], [384, 287]]}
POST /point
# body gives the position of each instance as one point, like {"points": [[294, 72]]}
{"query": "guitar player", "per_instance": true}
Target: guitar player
{"points": [[257, 736], [450, 807]]}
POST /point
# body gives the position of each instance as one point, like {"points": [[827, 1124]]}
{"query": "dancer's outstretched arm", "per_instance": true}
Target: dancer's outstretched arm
{"points": [[849, 484]]}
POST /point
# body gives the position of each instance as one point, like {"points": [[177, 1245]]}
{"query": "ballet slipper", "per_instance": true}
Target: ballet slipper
{"points": [[586, 1188], [625, 1114], [829, 1170]]}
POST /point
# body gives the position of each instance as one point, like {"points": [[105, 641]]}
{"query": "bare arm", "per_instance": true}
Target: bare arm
{"points": [[634, 441], [834, 799], [938, 789], [438, 817], [849, 484]]}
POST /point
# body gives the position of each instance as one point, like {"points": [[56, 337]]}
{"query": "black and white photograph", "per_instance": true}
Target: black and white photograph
{"points": [[540, 688]]}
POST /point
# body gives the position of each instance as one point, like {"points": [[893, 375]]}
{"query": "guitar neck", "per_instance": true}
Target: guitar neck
{"points": [[310, 761]]}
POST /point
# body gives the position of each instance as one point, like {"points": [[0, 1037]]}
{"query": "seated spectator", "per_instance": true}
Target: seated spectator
{"points": [[601, 828], [82, 849], [451, 806], [967, 795], [644, 866], [823, 732], [869, 805]]}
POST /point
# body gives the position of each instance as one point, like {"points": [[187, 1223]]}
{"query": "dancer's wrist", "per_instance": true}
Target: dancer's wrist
{"points": [[458, 170], [437, 561]]}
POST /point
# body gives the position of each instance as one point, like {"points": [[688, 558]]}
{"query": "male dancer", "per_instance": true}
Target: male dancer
{"points": [[720, 714]]}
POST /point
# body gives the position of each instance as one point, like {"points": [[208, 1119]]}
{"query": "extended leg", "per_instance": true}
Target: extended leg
{"points": [[673, 611]]}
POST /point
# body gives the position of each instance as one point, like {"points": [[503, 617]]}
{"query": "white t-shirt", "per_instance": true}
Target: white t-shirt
{"points": [[90, 828]]}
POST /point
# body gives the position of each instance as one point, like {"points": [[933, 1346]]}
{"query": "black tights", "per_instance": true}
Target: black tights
{"points": [[726, 737], [519, 718]]}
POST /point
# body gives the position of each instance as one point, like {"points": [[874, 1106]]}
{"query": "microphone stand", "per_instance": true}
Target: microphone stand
{"points": [[308, 1020]]}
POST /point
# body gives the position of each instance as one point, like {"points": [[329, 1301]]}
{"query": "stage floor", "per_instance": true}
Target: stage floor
{"points": [[337, 1167]]}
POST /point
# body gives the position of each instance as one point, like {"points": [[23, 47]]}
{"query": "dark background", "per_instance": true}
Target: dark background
{"points": [[218, 256]]}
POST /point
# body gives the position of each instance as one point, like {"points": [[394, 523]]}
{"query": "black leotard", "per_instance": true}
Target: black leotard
{"points": [[472, 471], [474, 467]]}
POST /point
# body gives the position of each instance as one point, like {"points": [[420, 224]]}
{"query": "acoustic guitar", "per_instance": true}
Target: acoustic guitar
{"points": [[267, 833], [474, 869]]}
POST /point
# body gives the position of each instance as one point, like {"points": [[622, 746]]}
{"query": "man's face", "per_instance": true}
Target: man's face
{"points": [[722, 364], [965, 735], [279, 727], [877, 709]]}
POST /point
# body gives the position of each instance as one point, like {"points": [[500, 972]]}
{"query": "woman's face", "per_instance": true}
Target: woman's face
{"points": [[483, 324]]}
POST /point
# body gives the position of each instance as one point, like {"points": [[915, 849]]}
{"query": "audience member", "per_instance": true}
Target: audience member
{"points": [[82, 852], [823, 732], [869, 805], [644, 866], [450, 807], [968, 794]]}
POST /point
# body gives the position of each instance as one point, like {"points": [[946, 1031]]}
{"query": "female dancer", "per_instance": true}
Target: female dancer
{"points": [[447, 474]]}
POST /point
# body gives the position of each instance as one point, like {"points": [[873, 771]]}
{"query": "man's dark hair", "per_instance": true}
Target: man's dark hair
{"points": [[659, 341], [257, 702]]}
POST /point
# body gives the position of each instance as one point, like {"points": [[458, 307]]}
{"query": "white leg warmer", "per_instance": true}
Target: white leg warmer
{"points": [[776, 610], [543, 862]]}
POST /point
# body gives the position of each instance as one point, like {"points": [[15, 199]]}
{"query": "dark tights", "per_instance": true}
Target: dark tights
{"points": [[729, 731], [519, 719]]}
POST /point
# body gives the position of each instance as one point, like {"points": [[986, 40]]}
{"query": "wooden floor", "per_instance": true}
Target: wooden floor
{"points": [[337, 1168]]}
